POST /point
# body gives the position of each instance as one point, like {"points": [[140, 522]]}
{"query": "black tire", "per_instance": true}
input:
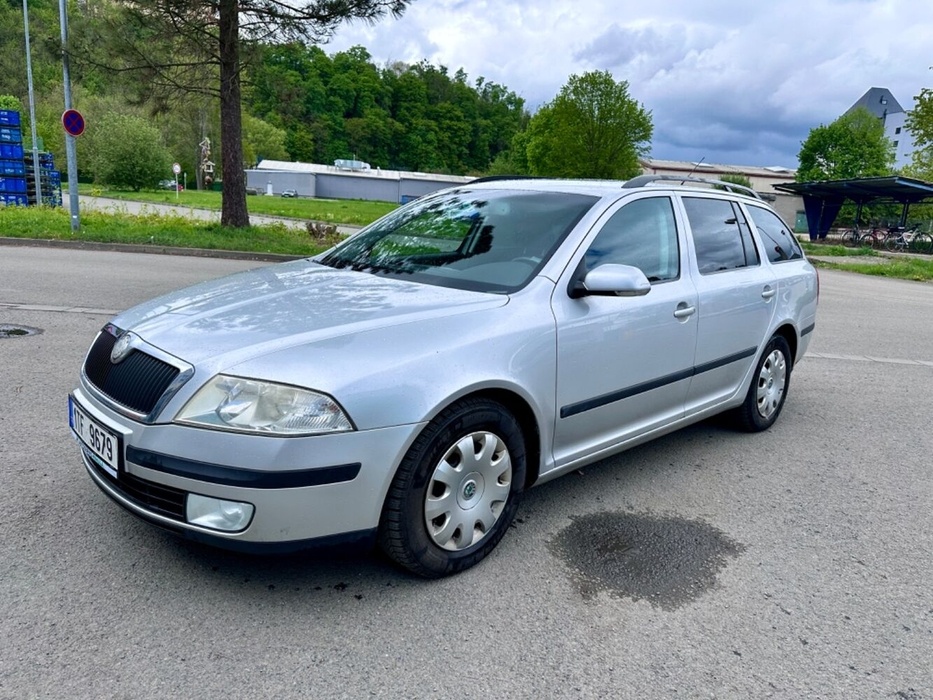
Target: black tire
{"points": [[869, 240], [768, 388], [486, 496], [893, 242], [922, 243]]}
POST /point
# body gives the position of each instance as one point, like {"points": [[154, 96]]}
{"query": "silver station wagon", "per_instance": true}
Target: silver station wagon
{"points": [[406, 386]]}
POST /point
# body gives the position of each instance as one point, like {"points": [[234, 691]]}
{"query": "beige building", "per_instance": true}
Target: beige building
{"points": [[790, 207]]}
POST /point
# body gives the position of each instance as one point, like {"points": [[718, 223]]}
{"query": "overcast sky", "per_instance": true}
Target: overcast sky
{"points": [[738, 83]]}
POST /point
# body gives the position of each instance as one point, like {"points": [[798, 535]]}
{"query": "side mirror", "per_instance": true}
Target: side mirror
{"points": [[611, 280]]}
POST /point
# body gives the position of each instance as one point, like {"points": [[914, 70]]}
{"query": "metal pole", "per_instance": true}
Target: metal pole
{"points": [[70, 152], [32, 109]]}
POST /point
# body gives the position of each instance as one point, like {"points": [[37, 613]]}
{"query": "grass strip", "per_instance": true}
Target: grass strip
{"points": [[339, 211], [154, 229]]}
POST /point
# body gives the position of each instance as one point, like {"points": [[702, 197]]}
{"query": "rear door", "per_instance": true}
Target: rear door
{"points": [[737, 296]]}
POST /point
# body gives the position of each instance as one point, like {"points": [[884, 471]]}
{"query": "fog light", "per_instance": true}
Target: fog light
{"points": [[217, 514]]}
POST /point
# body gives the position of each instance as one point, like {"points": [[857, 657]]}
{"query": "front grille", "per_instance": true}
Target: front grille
{"points": [[137, 382], [149, 495]]}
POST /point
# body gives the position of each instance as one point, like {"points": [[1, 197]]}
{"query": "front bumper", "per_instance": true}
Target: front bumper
{"points": [[306, 490]]}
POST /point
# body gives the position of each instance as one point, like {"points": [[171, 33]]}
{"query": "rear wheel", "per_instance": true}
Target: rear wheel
{"points": [[850, 238], [870, 240], [456, 491], [768, 389], [922, 243]]}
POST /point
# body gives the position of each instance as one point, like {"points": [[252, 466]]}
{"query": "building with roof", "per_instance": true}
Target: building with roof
{"points": [[349, 179], [881, 103], [345, 179], [763, 180]]}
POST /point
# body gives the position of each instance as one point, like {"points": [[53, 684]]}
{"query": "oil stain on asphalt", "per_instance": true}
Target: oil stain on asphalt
{"points": [[666, 561]]}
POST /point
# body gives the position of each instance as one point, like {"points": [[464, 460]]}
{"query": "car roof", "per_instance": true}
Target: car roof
{"points": [[604, 188]]}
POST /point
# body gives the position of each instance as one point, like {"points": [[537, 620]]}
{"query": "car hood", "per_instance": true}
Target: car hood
{"points": [[268, 309]]}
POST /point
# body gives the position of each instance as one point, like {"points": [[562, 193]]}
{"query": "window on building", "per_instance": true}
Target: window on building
{"points": [[897, 130]]}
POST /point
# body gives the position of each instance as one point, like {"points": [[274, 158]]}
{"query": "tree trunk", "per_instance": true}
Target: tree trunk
{"points": [[233, 211]]}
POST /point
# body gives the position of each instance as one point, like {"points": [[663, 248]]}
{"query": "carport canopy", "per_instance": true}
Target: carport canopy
{"points": [[823, 200]]}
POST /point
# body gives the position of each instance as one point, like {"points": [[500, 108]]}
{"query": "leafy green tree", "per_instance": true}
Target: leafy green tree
{"points": [[736, 179], [262, 140], [852, 146], [592, 129], [920, 124], [180, 47], [11, 103], [128, 152]]}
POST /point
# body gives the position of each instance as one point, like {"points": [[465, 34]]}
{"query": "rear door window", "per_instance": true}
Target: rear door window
{"points": [[721, 235]]}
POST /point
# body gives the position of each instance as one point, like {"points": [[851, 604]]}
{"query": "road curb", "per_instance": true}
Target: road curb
{"points": [[148, 249]]}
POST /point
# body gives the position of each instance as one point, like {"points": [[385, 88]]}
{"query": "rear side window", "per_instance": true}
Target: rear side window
{"points": [[780, 244], [721, 235], [642, 234]]}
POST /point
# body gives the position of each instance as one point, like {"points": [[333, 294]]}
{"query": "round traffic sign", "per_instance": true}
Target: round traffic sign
{"points": [[176, 168], [73, 122]]}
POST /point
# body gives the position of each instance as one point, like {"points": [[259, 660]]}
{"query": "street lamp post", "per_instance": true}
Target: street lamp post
{"points": [[70, 151], [32, 108]]}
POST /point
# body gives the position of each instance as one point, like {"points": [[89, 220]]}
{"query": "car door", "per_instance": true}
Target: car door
{"points": [[624, 363], [736, 299]]}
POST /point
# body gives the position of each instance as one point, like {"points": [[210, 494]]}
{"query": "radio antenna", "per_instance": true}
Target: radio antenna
{"points": [[695, 166]]}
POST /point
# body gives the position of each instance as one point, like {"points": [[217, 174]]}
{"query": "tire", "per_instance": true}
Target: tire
{"points": [[893, 242], [768, 389], [922, 243], [456, 491], [869, 240], [850, 238]]}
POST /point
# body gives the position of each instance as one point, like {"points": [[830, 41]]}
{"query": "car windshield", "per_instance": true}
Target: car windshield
{"points": [[483, 240]]}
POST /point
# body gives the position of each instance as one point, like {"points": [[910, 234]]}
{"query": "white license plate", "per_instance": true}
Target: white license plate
{"points": [[103, 443]]}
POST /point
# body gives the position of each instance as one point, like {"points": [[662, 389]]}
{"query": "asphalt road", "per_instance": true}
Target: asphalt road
{"points": [[710, 564]]}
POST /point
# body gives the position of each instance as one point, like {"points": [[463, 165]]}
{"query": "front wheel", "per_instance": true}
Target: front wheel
{"points": [[768, 389], [456, 491]]}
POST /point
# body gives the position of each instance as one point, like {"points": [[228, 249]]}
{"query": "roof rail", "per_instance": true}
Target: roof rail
{"points": [[643, 180], [499, 178]]}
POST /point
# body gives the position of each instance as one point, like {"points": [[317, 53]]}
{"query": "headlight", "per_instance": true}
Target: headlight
{"points": [[248, 405]]}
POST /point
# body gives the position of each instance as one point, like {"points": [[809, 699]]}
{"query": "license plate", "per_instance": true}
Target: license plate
{"points": [[101, 442]]}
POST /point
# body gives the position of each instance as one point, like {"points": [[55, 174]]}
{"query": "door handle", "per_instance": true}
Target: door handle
{"points": [[768, 292], [684, 310]]}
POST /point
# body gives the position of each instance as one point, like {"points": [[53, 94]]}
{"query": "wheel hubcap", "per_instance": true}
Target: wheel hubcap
{"points": [[771, 382], [468, 491]]}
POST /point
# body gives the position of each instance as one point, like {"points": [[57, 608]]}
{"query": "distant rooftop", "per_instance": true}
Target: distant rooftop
{"points": [[770, 171], [878, 101], [370, 172]]}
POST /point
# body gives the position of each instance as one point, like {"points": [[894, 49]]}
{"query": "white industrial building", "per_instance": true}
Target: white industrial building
{"points": [[345, 180]]}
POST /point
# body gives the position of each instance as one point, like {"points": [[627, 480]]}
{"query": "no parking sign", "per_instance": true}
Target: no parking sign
{"points": [[73, 122]]}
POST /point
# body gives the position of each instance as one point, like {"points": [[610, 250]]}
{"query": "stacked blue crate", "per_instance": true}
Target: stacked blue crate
{"points": [[50, 178], [12, 165]]}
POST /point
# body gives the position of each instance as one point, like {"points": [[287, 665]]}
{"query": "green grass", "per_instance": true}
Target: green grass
{"points": [[835, 250], [154, 229], [339, 211], [870, 262], [919, 269]]}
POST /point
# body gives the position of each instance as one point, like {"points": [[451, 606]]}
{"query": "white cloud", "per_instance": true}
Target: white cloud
{"points": [[739, 84]]}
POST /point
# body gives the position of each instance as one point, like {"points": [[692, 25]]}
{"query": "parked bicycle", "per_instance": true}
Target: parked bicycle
{"points": [[856, 238], [908, 240]]}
